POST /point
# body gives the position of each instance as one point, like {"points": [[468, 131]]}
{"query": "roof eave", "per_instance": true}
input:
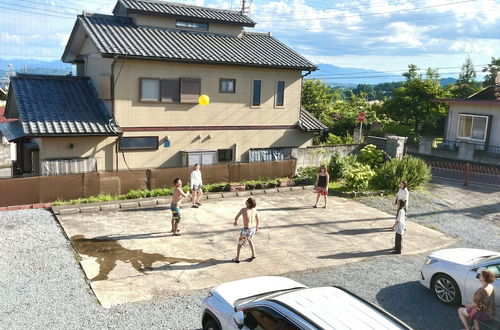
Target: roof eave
{"points": [[152, 58], [467, 101]]}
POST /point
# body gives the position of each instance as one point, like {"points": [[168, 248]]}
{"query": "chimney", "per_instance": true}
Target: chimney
{"points": [[497, 78]]}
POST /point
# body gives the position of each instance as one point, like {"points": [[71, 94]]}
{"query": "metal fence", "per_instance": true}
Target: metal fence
{"points": [[465, 172]]}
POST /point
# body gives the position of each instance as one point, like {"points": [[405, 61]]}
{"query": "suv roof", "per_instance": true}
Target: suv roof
{"points": [[336, 308]]}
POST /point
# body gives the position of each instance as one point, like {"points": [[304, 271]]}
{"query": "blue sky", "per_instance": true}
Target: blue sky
{"points": [[382, 35]]}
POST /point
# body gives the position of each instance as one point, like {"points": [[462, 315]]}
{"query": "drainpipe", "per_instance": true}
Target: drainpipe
{"points": [[301, 85], [112, 81]]}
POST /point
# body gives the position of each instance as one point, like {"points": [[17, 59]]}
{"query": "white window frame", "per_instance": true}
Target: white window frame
{"points": [[472, 125]]}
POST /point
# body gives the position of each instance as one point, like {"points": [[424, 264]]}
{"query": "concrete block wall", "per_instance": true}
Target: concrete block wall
{"points": [[5, 160], [314, 156]]}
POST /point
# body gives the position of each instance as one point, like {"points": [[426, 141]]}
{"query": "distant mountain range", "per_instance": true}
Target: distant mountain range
{"points": [[34, 66], [351, 77], [334, 75]]}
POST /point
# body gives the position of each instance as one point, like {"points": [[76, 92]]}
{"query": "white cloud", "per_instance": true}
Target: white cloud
{"points": [[13, 38], [472, 46]]}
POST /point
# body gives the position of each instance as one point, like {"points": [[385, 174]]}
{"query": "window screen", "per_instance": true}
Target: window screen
{"points": [[150, 89], [170, 90], [280, 93], [256, 92], [224, 155], [190, 90], [192, 25], [227, 85], [139, 143], [472, 127]]}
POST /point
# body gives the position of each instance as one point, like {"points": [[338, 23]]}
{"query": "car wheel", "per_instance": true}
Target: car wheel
{"points": [[446, 289], [211, 324]]}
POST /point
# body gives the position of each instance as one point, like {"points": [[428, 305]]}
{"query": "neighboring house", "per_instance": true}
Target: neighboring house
{"points": [[7, 150], [475, 120], [150, 61], [3, 95], [63, 126]]}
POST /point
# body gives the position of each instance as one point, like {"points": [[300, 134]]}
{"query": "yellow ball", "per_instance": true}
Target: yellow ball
{"points": [[203, 100]]}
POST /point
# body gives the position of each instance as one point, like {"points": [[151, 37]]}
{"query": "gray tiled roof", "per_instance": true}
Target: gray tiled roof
{"points": [[309, 123], [174, 9], [491, 93], [60, 105], [114, 35]]}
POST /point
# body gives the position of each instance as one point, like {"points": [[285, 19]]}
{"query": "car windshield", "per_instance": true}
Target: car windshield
{"points": [[485, 258], [266, 295]]}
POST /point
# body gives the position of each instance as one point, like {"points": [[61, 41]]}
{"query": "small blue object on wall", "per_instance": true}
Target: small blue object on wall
{"points": [[166, 144]]}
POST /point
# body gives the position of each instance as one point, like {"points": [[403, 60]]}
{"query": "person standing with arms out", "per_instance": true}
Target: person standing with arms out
{"points": [[322, 180], [399, 226], [403, 194], [196, 184], [483, 302], [177, 196], [250, 227]]}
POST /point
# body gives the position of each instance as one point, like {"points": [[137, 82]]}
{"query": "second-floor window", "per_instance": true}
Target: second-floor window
{"points": [[256, 91], [192, 25], [227, 85], [280, 93], [150, 89], [172, 90]]}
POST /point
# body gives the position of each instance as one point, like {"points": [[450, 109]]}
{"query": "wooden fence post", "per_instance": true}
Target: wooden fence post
{"points": [[466, 173]]}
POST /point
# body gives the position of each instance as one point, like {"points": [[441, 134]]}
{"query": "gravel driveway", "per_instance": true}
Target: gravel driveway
{"points": [[36, 293]]}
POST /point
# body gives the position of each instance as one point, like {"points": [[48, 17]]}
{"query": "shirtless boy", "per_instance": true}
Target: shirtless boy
{"points": [[175, 206], [250, 227]]}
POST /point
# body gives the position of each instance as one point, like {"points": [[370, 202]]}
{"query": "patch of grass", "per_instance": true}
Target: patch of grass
{"points": [[432, 227]]}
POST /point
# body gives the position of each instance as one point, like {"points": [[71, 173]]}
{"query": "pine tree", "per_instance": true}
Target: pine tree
{"points": [[468, 74]]}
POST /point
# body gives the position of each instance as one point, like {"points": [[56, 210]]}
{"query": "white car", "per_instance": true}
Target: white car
{"points": [[452, 274], [279, 303]]}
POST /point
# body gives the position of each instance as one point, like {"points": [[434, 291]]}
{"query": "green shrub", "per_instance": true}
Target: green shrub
{"points": [[371, 156], [338, 165], [306, 175], [411, 169], [358, 177], [252, 184], [333, 139]]}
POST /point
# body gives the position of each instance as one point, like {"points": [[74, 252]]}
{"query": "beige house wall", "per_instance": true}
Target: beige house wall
{"points": [[241, 140], [100, 148], [166, 22], [485, 110], [224, 109]]}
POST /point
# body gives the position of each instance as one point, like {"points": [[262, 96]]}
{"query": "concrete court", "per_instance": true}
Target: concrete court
{"points": [[129, 255]]}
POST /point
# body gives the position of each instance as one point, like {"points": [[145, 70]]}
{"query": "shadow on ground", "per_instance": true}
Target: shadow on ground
{"points": [[403, 299]]}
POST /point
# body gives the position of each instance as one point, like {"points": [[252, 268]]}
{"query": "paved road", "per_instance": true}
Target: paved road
{"points": [[35, 293]]}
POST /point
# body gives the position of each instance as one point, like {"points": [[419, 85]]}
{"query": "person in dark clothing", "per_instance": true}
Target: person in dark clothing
{"points": [[322, 180]]}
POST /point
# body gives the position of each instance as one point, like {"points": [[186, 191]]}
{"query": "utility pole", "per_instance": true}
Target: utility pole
{"points": [[244, 8]]}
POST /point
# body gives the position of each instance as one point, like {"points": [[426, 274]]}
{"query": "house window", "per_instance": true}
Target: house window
{"points": [[280, 93], [170, 90], [190, 90], [472, 127], [192, 25], [227, 85], [256, 90], [139, 143], [150, 89], [224, 155]]}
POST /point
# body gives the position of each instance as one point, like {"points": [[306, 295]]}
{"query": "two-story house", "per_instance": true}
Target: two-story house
{"points": [[149, 63]]}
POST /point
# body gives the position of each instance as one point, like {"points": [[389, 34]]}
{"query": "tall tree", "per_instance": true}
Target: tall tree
{"points": [[468, 73], [466, 84], [318, 99], [493, 69], [412, 103]]}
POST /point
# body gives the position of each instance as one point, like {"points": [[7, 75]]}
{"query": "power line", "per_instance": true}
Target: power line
{"points": [[40, 9], [368, 77], [37, 13], [342, 9], [374, 14]]}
